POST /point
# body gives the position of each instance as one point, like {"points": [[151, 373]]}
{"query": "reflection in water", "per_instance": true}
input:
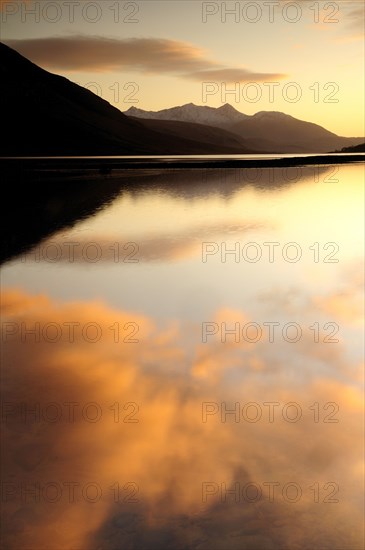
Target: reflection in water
{"points": [[46, 206], [41, 208], [123, 428]]}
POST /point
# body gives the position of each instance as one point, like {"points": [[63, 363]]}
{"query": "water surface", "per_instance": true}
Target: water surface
{"points": [[183, 364]]}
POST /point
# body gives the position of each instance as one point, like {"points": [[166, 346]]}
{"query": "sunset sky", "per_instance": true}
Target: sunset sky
{"points": [[302, 58]]}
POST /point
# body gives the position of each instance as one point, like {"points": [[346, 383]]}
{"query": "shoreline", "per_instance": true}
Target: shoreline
{"points": [[107, 165]]}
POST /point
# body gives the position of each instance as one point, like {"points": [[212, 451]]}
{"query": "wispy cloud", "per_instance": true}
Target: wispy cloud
{"points": [[355, 26], [145, 55], [344, 24], [235, 75]]}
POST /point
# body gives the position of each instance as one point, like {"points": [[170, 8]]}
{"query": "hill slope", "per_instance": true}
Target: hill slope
{"points": [[45, 114]]}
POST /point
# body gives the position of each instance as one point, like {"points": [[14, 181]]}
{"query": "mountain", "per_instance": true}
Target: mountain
{"points": [[291, 134], [222, 117], [266, 131], [45, 114]]}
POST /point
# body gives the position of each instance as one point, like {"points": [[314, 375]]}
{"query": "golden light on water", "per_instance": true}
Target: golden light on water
{"points": [[150, 397], [168, 455]]}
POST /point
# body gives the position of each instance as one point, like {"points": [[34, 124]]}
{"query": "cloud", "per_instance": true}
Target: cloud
{"points": [[355, 16], [144, 55], [345, 21], [170, 452], [235, 75]]}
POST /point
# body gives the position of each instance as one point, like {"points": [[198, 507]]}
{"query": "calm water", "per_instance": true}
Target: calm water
{"points": [[204, 157], [183, 365]]}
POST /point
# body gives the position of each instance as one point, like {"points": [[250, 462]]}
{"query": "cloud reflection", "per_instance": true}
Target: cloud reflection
{"points": [[170, 452], [133, 249]]}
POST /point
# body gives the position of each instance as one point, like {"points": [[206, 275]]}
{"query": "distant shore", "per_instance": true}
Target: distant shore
{"points": [[107, 165]]}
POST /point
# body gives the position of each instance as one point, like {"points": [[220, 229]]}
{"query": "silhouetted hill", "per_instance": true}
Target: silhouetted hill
{"points": [[45, 114], [354, 149], [291, 134], [202, 133]]}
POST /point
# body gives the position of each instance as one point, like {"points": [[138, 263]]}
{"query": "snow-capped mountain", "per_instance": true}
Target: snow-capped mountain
{"points": [[265, 131], [222, 117]]}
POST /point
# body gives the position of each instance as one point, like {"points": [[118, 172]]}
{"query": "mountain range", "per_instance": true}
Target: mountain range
{"points": [[47, 115], [222, 117], [265, 131]]}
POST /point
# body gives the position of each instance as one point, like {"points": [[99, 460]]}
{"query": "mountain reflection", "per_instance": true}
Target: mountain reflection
{"points": [[47, 201]]}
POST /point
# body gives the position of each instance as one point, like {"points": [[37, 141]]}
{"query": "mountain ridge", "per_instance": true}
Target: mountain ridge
{"points": [[270, 130], [223, 116]]}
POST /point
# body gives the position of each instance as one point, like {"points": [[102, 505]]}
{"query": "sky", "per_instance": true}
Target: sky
{"points": [[302, 58]]}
